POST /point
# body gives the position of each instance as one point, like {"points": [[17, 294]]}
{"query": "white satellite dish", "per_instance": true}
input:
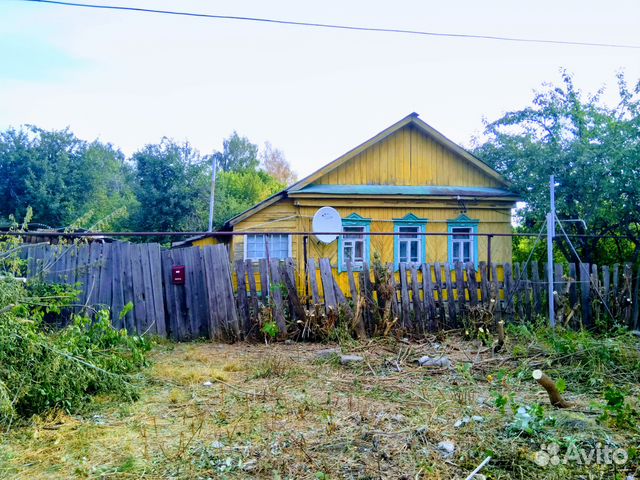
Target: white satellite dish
{"points": [[326, 219]]}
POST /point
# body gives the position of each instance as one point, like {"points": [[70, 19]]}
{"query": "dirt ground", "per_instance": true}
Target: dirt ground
{"points": [[284, 411]]}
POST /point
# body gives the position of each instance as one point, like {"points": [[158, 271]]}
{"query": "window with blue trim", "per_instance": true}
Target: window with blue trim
{"points": [[354, 245], [409, 245], [463, 245]]}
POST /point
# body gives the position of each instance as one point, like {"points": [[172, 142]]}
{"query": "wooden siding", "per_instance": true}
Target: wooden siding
{"points": [[408, 157], [492, 219]]}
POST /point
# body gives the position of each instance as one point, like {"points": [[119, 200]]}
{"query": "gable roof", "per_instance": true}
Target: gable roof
{"points": [[411, 119]]}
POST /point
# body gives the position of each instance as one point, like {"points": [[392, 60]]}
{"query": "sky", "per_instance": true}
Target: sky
{"points": [[131, 78]]}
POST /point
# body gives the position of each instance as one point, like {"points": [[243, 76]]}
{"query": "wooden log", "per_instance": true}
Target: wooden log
{"points": [[404, 297], [549, 385]]}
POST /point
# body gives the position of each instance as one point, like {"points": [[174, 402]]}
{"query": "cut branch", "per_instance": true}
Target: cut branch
{"points": [[549, 385]]}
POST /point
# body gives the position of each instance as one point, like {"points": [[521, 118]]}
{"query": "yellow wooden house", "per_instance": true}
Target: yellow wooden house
{"points": [[409, 178]]}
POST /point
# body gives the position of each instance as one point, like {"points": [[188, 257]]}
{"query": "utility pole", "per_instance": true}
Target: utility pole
{"points": [[214, 166], [551, 232]]}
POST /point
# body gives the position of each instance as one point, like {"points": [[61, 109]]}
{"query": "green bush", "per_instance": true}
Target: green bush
{"points": [[42, 368]]}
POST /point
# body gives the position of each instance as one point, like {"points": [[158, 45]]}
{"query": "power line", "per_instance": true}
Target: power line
{"points": [[338, 26]]}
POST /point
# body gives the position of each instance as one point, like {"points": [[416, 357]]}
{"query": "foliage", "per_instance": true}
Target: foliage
{"points": [[238, 154], [586, 361], [530, 420], [592, 149], [617, 411], [172, 186], [238, 191], [270, 330], [43, 369], [275, 164], [61, 177]]}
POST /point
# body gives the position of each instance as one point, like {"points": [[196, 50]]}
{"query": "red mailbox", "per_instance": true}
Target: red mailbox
{"points": [[178, 275]]}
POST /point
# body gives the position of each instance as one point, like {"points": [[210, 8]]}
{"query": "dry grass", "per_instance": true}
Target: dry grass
{"points": [[278, 412]]}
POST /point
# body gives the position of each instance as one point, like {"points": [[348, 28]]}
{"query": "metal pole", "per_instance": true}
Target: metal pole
{"points": [[551, 230], [213, 192], [489, 237]]}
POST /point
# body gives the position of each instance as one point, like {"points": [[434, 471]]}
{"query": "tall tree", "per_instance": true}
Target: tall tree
{"points": [[61, 177], [238, 154], [172, 186], [238, 191], [594, 152], [275, 164]]}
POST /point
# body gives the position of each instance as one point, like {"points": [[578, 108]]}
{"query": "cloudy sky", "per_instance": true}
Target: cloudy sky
{"points": [[131, 78]]}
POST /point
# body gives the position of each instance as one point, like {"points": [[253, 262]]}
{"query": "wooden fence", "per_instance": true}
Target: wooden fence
{"points": [[111, 275], [219, 302], [429, 297]]}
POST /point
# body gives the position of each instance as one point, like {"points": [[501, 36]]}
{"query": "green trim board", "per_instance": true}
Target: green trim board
{"points": [[408, 190], [409, 220], [463, 221], [355, 220]]}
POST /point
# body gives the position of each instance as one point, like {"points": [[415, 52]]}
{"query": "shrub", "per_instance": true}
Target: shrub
{"points": [[43, 368]]}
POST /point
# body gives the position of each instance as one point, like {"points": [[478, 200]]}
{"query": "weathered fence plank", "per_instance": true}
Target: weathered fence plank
{"points": [[585, 280], [404, 296], [453, 318]]}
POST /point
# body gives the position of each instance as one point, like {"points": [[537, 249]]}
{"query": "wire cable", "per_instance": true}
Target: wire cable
{"points": [[339, 26]]}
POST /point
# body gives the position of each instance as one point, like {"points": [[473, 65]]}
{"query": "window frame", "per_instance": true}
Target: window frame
{"points": [[256, 259], [355, 220], [462, 221], [410, 220]]}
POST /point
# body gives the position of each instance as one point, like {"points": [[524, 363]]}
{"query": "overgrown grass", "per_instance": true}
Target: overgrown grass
{"points": [[587, 362]]}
